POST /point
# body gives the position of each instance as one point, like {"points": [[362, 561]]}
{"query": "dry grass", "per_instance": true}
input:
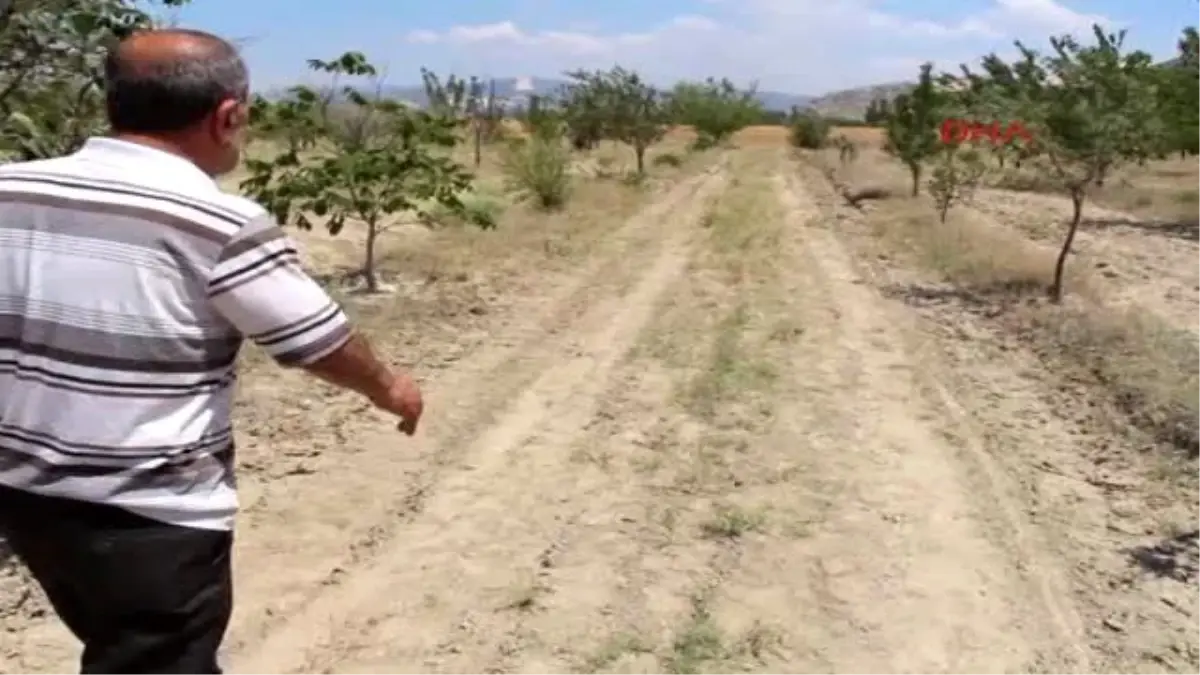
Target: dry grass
{"points": [[1148, 367], [965, 252], [864, 136], [1164, 192]]}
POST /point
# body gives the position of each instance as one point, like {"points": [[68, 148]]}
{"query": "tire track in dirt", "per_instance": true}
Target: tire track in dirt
{"points": [[508, 502], [1139, 267], [917, 562], [627, 592], [299, 535]]}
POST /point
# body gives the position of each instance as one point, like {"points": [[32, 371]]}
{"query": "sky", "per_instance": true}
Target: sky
{"points": [[795, 46]]}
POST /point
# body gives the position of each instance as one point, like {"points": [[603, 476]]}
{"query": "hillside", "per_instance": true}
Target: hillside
{"points": [[853, 102]]}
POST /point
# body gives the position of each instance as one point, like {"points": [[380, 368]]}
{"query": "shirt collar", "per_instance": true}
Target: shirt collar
{"points": [[114, 150]]}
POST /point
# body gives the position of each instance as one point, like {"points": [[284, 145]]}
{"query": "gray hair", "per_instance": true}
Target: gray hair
{"points": [[172, 94]]}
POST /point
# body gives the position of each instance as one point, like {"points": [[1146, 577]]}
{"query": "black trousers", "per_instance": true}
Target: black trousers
{"points": [[142, 596]]}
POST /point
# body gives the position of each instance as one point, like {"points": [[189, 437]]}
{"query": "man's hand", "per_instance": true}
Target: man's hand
{"points": [[403, 399], [355, 367]]}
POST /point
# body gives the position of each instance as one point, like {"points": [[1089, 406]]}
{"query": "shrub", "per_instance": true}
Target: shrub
{"points": [[809, 131], [667, 159], [538, 170], [480, 209]]}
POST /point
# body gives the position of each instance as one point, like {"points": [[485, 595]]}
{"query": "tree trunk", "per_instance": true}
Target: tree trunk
{"points": [[478, 142], [1056, 290], [640, 151], [369, 276], [915, 169], [943, 210]]}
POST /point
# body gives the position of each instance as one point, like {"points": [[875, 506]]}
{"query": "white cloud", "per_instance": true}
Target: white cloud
{"points": [[808, 46]]}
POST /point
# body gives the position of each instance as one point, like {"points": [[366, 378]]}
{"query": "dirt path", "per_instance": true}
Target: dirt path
{"points": [[919, 561], [1154, 268]]}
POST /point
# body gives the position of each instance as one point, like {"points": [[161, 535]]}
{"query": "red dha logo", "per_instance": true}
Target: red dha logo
{"points": [[959, 131]]}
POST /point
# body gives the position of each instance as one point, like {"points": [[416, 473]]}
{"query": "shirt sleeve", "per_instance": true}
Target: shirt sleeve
{"points": [[259, 286]]}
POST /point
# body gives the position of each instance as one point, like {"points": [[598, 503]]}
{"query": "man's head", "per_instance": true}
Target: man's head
{"points": [[185, 88]]}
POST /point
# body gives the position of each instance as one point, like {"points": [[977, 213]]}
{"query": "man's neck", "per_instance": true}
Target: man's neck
{"points": [[167, 145]]}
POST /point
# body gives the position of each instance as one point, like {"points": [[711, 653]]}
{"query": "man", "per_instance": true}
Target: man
{"points": [[127, 281]]}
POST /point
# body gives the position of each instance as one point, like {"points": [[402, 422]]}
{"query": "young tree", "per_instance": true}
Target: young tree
{"points": [[466, 99], [955, 177], [847, 150], [380, 163], [715, 109], [877, 111], [1089, 108], [579, 114], [912, 125], [546, 119], [631, 111], [807, 130]]}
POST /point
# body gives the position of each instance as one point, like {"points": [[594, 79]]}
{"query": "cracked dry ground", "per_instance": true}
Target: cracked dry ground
{"points": [[712, 445]]}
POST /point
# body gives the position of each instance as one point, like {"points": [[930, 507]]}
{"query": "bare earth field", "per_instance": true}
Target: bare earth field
{"points": [[725, 422]]}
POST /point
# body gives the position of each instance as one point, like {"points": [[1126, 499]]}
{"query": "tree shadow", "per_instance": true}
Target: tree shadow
{"points": [[992, 298], [1176, 557], [1188, 230]]}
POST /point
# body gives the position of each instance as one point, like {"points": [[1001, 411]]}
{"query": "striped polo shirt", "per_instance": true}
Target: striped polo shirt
{"points": [[127, 283]]}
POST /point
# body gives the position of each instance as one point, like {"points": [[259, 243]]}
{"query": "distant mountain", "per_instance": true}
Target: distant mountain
{"points": [[517, 91], [852, 103]]}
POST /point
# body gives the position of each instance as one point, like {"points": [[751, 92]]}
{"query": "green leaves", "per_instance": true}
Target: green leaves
{"points": [[369, 160], [913, 120], [912, 124], [51, 71], [808, 130], [617, 104], [716, 109]]}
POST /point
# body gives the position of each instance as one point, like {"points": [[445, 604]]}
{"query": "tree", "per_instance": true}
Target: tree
{"points": [[1089, 108], [467, 99], [629, 110], [289, 120], [578, 113], [52, 70], [877, 111], [380, 161], [715, 109], [1178, 93], [807, 130], [912, 126], [955, 177]]}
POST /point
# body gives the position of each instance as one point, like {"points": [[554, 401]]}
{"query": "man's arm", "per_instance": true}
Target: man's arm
{"points": [[259, 286]]}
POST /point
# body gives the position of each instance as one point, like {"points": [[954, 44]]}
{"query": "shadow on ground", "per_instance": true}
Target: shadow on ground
{"points": [[1188, 230], [1176, 557], [989, 300]]}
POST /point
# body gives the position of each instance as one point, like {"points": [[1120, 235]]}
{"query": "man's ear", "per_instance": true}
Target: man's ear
{"points": [[232, 115]]}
